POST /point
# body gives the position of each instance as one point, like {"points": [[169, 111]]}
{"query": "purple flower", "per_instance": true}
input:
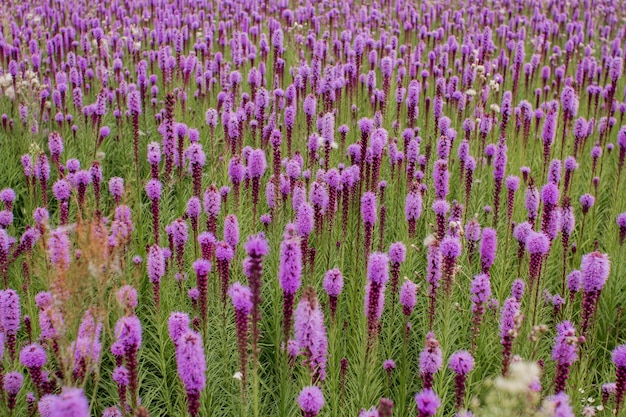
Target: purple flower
{"points": [[310, 334], [116, 188], [595, 268], [257, 163], [430, 360], [155, 264], [480, 289], [378, 268], [537, 243], [333, 282], [427, 403], [231, 230], [305, 219], [153, 189], [619, 359], [461, 362], [70, 403], [12, 384], [311, 401], [587, 201], [191, 364], [241, 297], [408, 296], [441, 177], [488, 245], [128, 333], [564, 353], [368, 208], [290, 265], [177, 325], [559, 405], [517, 289]]}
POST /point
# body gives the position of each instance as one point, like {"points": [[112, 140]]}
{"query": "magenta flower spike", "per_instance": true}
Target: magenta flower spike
{"points": [[461, 363], [241, 297], [128, 340], [510, 318], [333, 284], [257, 248], [72, 402], [156, 270], [212, 202], [450, 248], [197, 160], [289, 275], [481, 291], [559, 405], [397, 256], [368, 215], [430, 360], [532, 203], [304, 225], [153, 191], [311, 401], [564, 353], [427, 403], [33, 357], [202, 268], [619, 359], [441, 178], [178, 234], [256, 168], [191, 364], [408, 297], [595, 268], [488, 246], [377, 276], [413, 210], [10, 317], [441, 209], [12, 384], [538, 245], [310, 334], [550, 198]]}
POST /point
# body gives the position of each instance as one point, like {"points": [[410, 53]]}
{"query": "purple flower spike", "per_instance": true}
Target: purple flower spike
{"points": [[488, 245], [619, 359], [289, 276], [565, 353], [333, 284], [12, 384], [241, 297], [595, 268], [310, 334], [191, 363], [310, 401], [461, 363], [427, 403], [430, 360], [70, 403], [408, 297]]}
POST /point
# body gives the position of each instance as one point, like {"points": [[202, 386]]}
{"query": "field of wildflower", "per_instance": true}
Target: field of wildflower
{"points": [[312, 208]]}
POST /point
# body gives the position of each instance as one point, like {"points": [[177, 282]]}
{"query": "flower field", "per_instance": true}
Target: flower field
{"points": [[303, 208]]}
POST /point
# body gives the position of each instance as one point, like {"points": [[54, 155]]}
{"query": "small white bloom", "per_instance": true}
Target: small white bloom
{"points": [[428, 240], [238, 375], [10, 93]]}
